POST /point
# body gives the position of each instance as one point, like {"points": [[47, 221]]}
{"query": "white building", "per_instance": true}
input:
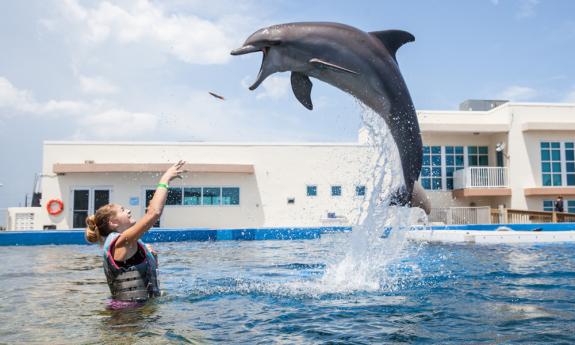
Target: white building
{"points": [[519, 155]]}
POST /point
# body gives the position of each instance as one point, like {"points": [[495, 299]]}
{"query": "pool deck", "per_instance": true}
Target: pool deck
{"points": [[496, 233]]}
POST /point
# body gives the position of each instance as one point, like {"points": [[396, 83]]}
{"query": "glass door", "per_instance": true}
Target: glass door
{"points": [[86, 201]]}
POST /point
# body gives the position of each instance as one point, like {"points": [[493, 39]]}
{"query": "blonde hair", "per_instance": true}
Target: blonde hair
{"points": [[99, 223]]}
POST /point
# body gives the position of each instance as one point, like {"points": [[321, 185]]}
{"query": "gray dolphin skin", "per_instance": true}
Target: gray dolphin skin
{"points": [[360, 63]]}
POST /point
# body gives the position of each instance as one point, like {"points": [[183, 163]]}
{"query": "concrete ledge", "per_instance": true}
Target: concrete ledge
{"points": [[62, 168], [489, 234], [492, 237], [549, 191], [468, 192]]}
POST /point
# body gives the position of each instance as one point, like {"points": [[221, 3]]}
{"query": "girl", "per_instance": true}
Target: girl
{"points": [[130, 266]]}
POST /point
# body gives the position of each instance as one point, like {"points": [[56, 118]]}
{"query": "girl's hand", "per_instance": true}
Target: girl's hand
{"points": [[174, 171]]}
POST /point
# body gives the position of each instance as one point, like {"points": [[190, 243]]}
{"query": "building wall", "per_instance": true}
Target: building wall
{"points": [[520, 126], [281, 172]]}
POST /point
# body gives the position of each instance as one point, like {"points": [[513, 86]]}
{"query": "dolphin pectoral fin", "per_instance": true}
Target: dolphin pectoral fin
{"points": [[323, 64], [301, 86], [393, 39]]}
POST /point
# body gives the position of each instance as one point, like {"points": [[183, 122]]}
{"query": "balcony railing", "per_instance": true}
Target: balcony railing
{"points": [[481, 177]]}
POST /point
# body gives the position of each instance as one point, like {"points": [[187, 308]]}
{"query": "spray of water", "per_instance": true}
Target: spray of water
{"points": [[365, 266]]}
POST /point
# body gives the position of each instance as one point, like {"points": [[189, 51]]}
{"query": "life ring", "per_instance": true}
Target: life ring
{"points": [[57, 210]]}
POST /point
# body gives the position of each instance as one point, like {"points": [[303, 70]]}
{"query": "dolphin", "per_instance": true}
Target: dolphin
{"points": [[360, 63]]}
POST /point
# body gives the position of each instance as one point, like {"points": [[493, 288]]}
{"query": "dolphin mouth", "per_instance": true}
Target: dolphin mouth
{"points": [[247, 49]]}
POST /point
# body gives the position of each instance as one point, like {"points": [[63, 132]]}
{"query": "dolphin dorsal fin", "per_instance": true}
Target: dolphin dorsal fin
{"points": [[301, 86], [393, 39]]}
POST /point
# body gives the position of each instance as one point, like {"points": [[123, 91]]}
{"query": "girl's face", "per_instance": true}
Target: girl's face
{"points": [[123, 219]]}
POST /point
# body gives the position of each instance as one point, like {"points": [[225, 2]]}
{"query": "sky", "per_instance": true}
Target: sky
{"points": [[141, 70]]}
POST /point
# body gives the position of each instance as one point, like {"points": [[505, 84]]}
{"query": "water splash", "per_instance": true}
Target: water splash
{"points": [[379, 240]]}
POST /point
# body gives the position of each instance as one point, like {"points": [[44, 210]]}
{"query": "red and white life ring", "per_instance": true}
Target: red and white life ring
{"points": [[55, 207]]}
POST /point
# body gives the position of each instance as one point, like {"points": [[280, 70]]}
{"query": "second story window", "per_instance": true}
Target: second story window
{"points": [[454, 160], [551, 163], [431, 168], [477, 156]]}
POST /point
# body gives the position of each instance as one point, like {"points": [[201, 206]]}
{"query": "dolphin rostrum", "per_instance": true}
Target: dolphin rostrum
{"points": [[359, 63]]}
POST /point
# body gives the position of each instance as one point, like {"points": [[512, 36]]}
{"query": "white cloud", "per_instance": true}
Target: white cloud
{"points": [[275, 87], [527, 8], [13, 98], [116, 124], [97, 85], [186, 37], [518, 93], [22, 100]]}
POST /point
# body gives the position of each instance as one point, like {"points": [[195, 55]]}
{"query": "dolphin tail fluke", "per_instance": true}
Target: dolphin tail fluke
{"points": [[419, 198]]}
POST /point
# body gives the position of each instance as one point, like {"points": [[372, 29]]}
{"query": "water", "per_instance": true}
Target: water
{"points": [[260, 292], [353, 288]]}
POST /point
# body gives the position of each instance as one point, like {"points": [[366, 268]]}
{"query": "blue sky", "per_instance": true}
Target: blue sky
{"points": [[141, 70]]}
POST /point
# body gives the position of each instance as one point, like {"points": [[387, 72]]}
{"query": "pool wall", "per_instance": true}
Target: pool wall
{"points": [[40, 237], [539, 232]]}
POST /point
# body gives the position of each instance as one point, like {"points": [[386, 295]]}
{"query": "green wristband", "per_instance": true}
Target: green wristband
{"points": [[163, 185]]}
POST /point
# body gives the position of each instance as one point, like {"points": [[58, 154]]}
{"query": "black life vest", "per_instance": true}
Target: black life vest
{"points": [[134, 283]]}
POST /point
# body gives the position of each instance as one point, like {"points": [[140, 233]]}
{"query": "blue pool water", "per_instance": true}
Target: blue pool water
{"points": [[250, 292]]}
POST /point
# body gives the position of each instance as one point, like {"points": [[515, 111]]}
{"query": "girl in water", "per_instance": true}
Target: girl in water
{"points": [[130, 266]]}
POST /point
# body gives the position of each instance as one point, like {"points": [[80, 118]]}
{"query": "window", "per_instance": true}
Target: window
{"points": [[431, 168], [335, 190], [549, 205], [454, 160], [87, 201], [81, 207], [174, 196], [311, 190], [193, 196], [230, 196], [149, 196], [477, 156], [211, 196], [360, 190], [551, 163], [570, 164]]}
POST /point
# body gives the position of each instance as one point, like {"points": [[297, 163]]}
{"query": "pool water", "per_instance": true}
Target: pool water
{"points": [[261, 292]]}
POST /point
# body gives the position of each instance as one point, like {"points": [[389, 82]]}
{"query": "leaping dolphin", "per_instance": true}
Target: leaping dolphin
{"points": [[359, 63]]}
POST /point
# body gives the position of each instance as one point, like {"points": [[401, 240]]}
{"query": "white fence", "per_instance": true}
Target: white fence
{"points": [[461, 215], [481, 177], [3, 218]]}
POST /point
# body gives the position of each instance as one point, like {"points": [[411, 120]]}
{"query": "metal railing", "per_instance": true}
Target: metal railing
{"points": [[481, 177], [504, 216], [461, 215]]}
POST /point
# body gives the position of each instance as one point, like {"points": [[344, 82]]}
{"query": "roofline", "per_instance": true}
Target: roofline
{"points": [[508, 104], [198, 143]]}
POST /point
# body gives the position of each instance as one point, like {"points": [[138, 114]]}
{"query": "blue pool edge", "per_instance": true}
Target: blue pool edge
{"points": [[71, 237]]}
